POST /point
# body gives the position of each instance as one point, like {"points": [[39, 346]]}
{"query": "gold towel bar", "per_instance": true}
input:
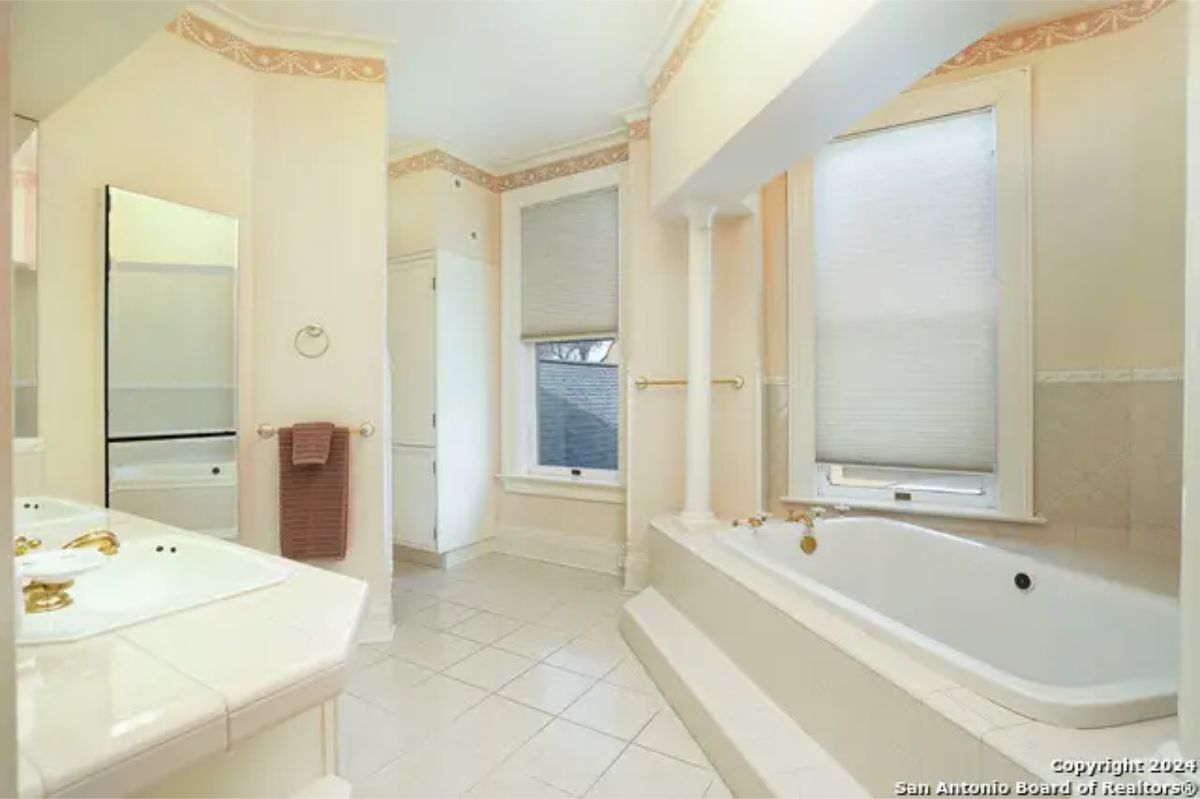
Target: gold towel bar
{"points": [[645, 382], [366, 430]]}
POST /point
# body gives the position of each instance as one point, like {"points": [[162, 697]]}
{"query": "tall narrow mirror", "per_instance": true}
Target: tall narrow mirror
{"points": [[24, 288], [171, 363]]}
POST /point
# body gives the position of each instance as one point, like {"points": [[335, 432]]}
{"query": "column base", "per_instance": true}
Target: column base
{"points": [[1170, 750], [697, 516]]}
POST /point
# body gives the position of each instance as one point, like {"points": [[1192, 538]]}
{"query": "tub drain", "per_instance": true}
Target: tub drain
{"points": [[1023, 581]]}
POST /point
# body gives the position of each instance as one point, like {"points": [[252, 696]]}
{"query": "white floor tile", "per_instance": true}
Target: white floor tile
{"points": [[385, 681], [498, 725], [572, 617], [489, 668], [566, 756], [718, 790], [406, 603], [503, 784], [533, 641], [630, 673], [614, 710], [430, 648], [666, 734], [486, 628], [431, 705], [590, 656], [442, 615], [547, 688], [642, 774], [367, 739], [437, 768]]}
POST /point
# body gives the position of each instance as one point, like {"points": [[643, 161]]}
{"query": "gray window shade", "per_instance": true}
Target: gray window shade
{"points": [[569, 252], [905, 296]]}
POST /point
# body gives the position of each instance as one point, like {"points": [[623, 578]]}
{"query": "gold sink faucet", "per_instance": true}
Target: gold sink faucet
{"points": [[103, 540]]}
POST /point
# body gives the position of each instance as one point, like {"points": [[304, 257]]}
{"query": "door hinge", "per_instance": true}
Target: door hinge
{"points": [[434, 465], [433, 420], [434, 281]]}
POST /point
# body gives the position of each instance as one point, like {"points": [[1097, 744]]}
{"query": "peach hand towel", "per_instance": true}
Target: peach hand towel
{"points": [[310, 443], [314, 500]]}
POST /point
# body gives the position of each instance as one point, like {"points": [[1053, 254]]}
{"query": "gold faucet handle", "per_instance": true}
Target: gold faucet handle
{"points": [[22, 545], [806, 517]]}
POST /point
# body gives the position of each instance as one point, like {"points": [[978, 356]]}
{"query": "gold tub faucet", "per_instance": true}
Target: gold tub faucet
{"points": [[103, 540], [808, 518], [23, 545]]}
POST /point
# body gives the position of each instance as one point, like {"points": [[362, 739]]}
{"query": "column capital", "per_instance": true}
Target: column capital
{"points": [[700, 216]]}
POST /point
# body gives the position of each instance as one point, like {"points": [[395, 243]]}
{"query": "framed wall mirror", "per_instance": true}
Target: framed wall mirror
{"points": [[170, 362]]}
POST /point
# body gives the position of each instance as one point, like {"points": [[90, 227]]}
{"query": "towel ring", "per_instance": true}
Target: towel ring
{"points": [[311, 331]]}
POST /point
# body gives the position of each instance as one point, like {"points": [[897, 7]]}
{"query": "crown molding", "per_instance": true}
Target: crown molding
{"points": [[672, 34], [288, 37], [685, 43], [236, 39]]}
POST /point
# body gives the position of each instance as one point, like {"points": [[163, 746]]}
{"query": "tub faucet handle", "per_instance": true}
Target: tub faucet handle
{"points": [[23, 544], [806, 517]]}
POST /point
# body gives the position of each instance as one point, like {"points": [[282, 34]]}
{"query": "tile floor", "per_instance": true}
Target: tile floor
{"points": [[507, 678]]}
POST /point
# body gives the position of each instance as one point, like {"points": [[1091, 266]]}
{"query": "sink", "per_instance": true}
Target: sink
{"points": [[151, 576], [31, 513]]}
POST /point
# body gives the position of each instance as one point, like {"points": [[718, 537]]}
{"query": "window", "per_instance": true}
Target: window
{"points": [[561, 313], [914, 373], [578, 405]]}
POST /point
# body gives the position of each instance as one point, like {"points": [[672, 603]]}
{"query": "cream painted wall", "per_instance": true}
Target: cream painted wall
{"points": [[319, 255], [435, 209], [8, 677], [1108, 196], [172, 121], [301, 164]]}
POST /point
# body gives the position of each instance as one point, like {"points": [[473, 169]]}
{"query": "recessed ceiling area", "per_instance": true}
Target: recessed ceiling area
{"points": [[497, 81]]}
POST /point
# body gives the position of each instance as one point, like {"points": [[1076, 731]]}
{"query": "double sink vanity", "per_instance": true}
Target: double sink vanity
{"points": [[159, 662]]}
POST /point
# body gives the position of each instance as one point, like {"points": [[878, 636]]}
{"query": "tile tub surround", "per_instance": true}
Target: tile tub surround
{"points": [[111, 714], [1107, 460], [883, 716], [507, 677]]}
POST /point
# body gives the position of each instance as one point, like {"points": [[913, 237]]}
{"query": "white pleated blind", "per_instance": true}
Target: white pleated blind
{"points": [[906, 297], [569, 251]]}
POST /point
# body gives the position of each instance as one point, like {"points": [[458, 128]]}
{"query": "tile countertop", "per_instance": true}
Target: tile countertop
{"points": [[110, 714]]}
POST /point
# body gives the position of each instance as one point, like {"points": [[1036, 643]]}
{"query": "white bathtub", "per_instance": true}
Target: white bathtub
{"points": [[1072, 650], [199, 495]]}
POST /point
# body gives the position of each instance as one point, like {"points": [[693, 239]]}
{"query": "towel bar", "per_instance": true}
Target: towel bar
{"points": [[645, 382], [366, 430]]}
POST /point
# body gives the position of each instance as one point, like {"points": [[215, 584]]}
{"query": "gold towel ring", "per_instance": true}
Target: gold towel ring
{"points": [[311, 331]]}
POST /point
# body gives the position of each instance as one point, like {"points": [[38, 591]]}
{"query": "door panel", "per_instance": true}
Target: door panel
{"points": [[411, 353], [414, 497]]}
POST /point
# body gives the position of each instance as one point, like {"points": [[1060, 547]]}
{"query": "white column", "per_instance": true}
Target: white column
{"points": [[697, 488], [1189, 576]]}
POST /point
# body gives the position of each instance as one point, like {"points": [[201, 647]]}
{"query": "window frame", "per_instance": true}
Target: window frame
{"points": [[1010, 496], [520, 471]]}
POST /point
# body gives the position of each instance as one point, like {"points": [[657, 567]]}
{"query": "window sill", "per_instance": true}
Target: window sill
{"points": [[918, 509], [561, 488]]}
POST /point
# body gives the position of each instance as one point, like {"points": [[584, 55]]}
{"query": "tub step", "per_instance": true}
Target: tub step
{"points": [[756, 747]]}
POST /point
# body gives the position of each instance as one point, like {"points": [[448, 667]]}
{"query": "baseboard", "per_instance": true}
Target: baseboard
{"points": [[444, 560], [637, 569], [552, 546], [377, 626]]}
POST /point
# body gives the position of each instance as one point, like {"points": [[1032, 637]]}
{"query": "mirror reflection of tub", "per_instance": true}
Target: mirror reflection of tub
{"points": [[171, 363], [188, 483]]}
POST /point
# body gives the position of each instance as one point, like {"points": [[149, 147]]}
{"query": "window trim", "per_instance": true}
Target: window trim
{"points": [[1008, 93], [519, 470]]}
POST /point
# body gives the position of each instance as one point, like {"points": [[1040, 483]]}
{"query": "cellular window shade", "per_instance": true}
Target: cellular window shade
{"points": [[906, 296], [569, 252]]}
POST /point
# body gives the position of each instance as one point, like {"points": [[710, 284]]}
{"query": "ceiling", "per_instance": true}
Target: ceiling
{"points": [[496, 81]]}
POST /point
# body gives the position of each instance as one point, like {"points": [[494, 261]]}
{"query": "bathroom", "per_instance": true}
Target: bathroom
{"points": [[648, 477]]}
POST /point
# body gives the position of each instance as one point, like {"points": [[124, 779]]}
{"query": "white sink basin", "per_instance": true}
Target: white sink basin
{"points": [[30, 513], [152, 576]]}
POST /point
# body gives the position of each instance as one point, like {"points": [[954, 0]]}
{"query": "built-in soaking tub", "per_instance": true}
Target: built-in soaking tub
{"points": [[199, 495], [1052, 644]]}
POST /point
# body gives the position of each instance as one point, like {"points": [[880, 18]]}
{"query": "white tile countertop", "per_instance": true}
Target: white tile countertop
{"points": [[113, 713]]}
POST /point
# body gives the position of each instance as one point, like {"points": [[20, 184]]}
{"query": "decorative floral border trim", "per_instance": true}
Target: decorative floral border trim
{"points": [[639, 129], [275, 60], [606, 156], [687, 43], [440, 159], [1066, 30]]}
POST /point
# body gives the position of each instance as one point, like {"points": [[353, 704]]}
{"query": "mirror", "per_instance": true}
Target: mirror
{"points": [[24, 288], [171, 363]]}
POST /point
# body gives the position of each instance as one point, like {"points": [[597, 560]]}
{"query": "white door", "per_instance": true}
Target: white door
{"points": [[414, 497], [411, 352]]}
